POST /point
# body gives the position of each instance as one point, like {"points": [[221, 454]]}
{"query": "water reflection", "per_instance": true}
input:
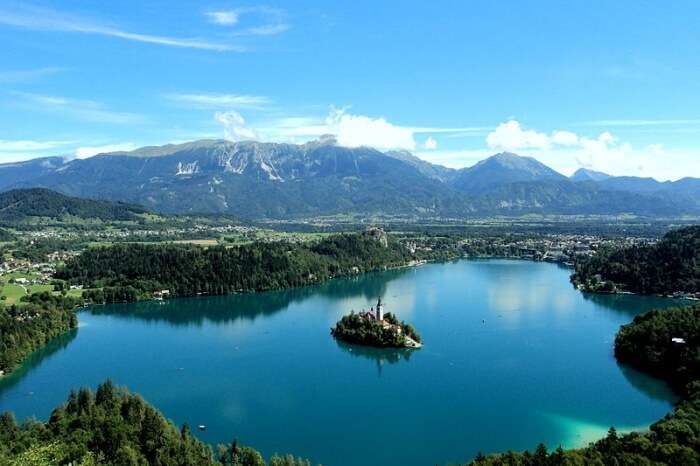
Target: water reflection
{"points": [[632, 305], [249, 306], [651, 386], [380, 356], [37, 357]]}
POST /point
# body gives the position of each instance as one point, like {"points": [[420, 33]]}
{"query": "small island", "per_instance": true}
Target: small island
{"points": [[376, 328]]}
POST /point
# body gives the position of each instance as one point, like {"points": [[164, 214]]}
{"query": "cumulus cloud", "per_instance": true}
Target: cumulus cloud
{"points": [[430, 143], [604, 153], [359, 130], [566, 151], [564, 138], [235, 128], [90, 151], [511, 136]]}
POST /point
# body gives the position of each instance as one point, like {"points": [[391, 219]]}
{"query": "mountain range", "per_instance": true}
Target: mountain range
{"points": [[256, 180]]}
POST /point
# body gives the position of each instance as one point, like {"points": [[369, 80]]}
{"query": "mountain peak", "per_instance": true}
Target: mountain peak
{"points": [[503, 168], [511, 161], [585, 174], [323, 140]]}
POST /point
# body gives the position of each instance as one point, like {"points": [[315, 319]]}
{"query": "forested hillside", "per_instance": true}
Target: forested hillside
{"points": [[30, 325], [672, 265], [129, 272], [114, 427], [20, 204], [647, 344]]}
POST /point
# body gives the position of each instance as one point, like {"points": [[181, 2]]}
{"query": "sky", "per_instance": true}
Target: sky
{"points": [[606, 85]]}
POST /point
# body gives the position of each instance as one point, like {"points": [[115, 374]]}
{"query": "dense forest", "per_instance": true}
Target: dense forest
{"points": [[674, 440], [127, 272], [6, 235], [669, 266], [20, 204], [29, 325], [356, 328], [647, 344], [115, 427]]}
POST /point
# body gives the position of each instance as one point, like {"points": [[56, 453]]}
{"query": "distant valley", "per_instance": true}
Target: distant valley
{"points": [[255, 180]]}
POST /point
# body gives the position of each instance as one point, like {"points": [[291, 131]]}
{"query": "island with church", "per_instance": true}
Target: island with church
{"points": [[376, 328]]}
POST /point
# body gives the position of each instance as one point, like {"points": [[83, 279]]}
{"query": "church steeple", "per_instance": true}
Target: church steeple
{"points": [[380, 309]]}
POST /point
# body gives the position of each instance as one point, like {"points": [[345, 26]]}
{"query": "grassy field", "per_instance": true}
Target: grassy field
{"points": [[39, 288], [12, 293]]}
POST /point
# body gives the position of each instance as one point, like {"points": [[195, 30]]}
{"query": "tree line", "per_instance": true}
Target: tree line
{"points": [[31, 324], [115, 427], [669, 266], [128, 272]]}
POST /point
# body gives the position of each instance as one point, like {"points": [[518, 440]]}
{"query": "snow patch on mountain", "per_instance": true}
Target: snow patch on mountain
{"points": [[187, 168], [271, 171]]}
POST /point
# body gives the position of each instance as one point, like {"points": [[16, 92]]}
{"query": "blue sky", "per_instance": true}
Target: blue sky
{"points": [[613, 86]]}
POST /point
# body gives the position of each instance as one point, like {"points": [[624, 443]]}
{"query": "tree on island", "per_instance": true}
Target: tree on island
{"points": [[362, 329]]}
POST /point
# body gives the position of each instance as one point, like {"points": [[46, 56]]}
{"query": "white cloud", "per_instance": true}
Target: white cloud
{"points": [[44, 19], [510, 136], [566, 151], [264, 30], [88, 110], [86, 152], [225, 18], [235, 128], [359, 130], [220, 100], [565, 138], [430, 143], [270, 20], [454, 158]]}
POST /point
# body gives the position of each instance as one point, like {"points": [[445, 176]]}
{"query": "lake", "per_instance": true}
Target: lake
{"points": [[513, 356]]}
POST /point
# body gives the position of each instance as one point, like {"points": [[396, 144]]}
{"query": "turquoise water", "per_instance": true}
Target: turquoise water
{"points": [[513, 356]]}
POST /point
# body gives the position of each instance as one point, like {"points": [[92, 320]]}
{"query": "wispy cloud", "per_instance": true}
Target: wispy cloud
{"points": [[24, 145], [23, 149], [270, 21], [224, 18], [12, 76], [210, 100], [43, 19], [642, 122], [264, 30], [88, 110]]}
